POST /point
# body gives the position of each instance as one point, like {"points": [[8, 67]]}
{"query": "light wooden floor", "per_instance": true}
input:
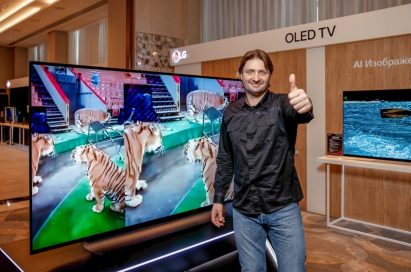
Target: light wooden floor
{"points": [[330, 250], [14, 171]]}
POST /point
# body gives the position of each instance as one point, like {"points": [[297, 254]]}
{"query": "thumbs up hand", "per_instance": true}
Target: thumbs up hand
{"points": [[298, 98]]}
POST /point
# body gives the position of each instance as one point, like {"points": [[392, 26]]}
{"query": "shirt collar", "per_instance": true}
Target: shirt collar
{"points": [[264, 102]]}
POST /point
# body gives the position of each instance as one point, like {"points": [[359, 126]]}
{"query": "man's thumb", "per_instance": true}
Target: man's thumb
{"points": [[291, 79]]}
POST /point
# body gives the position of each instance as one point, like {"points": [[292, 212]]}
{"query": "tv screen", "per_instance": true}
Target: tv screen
{"points": [[115, 150], [377, 124]]}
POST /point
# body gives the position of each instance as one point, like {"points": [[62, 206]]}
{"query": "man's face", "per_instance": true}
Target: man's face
{"points": [[255, 77]]}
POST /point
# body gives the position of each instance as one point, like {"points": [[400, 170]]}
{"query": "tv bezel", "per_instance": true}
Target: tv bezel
{"points": [[131, 230], [384, 159]]}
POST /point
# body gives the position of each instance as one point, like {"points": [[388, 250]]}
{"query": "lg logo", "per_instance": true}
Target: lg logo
{"points": [[178, 55]]}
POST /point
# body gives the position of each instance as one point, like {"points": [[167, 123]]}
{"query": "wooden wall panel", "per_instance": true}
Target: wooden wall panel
{"points": [[377, 196], [360, 181], [221, 68], [284, 63]]}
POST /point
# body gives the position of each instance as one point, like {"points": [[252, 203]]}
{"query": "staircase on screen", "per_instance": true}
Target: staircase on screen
{"points": [[54, 118], [164, 105]]}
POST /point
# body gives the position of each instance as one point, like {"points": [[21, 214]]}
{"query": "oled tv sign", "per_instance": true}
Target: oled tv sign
{"points": [[310, 34]]}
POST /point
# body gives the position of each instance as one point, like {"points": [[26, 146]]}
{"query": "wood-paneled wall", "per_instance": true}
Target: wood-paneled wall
{"points": [[284, 63], [381, 197]]}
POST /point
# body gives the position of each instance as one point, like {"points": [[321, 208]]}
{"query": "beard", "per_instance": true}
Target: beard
{"points": [[255, 89]]}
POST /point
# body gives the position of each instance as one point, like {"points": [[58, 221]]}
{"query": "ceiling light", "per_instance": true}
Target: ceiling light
{"points": [[21, 10], [14, 9], [50, 1], [17, 19]]}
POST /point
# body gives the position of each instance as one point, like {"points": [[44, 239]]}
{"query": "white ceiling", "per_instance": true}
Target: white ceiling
{"points": [[64, 15]]}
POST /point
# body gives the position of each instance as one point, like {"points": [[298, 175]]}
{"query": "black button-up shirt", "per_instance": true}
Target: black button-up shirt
{"points": [[257, 148]]}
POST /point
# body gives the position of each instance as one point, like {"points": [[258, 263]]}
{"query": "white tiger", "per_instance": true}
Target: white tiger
{"points": [[84, 117], [199, 100]]}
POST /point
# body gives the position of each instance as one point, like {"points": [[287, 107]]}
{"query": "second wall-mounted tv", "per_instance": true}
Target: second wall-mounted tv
{"points": [[116, 150], [377, 124]]}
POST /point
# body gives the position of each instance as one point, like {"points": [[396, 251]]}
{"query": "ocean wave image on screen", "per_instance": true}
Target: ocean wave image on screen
{"points": [[368, 134]]}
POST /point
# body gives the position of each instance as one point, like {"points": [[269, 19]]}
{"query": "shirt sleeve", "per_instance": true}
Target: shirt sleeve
{"points": [[225, 170]]}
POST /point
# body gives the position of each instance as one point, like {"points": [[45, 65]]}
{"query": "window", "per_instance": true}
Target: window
{"points": [[88, 45]]}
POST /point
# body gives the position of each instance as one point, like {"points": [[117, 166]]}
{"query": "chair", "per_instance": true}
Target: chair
{"points": [[99, 127], [212, 115]]}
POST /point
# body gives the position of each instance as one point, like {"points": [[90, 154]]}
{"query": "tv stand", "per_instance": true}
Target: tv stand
{"points": [[197, 249], [134, 237], [185, 242], [347, 224], [179, 250]]}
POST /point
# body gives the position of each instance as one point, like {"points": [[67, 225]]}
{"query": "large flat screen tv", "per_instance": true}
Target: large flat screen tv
{"points": [[117, 150], [377, 124]]}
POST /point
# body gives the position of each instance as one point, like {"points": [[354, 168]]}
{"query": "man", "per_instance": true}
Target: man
{"points": [[258, 135]]}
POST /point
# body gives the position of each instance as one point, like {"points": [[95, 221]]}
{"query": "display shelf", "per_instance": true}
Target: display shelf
{"points": [[21, 132], [335, 223], [367, 163]]}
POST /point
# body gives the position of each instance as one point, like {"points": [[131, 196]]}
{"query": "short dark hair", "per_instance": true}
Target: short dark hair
{"points": [[256, 54]]}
